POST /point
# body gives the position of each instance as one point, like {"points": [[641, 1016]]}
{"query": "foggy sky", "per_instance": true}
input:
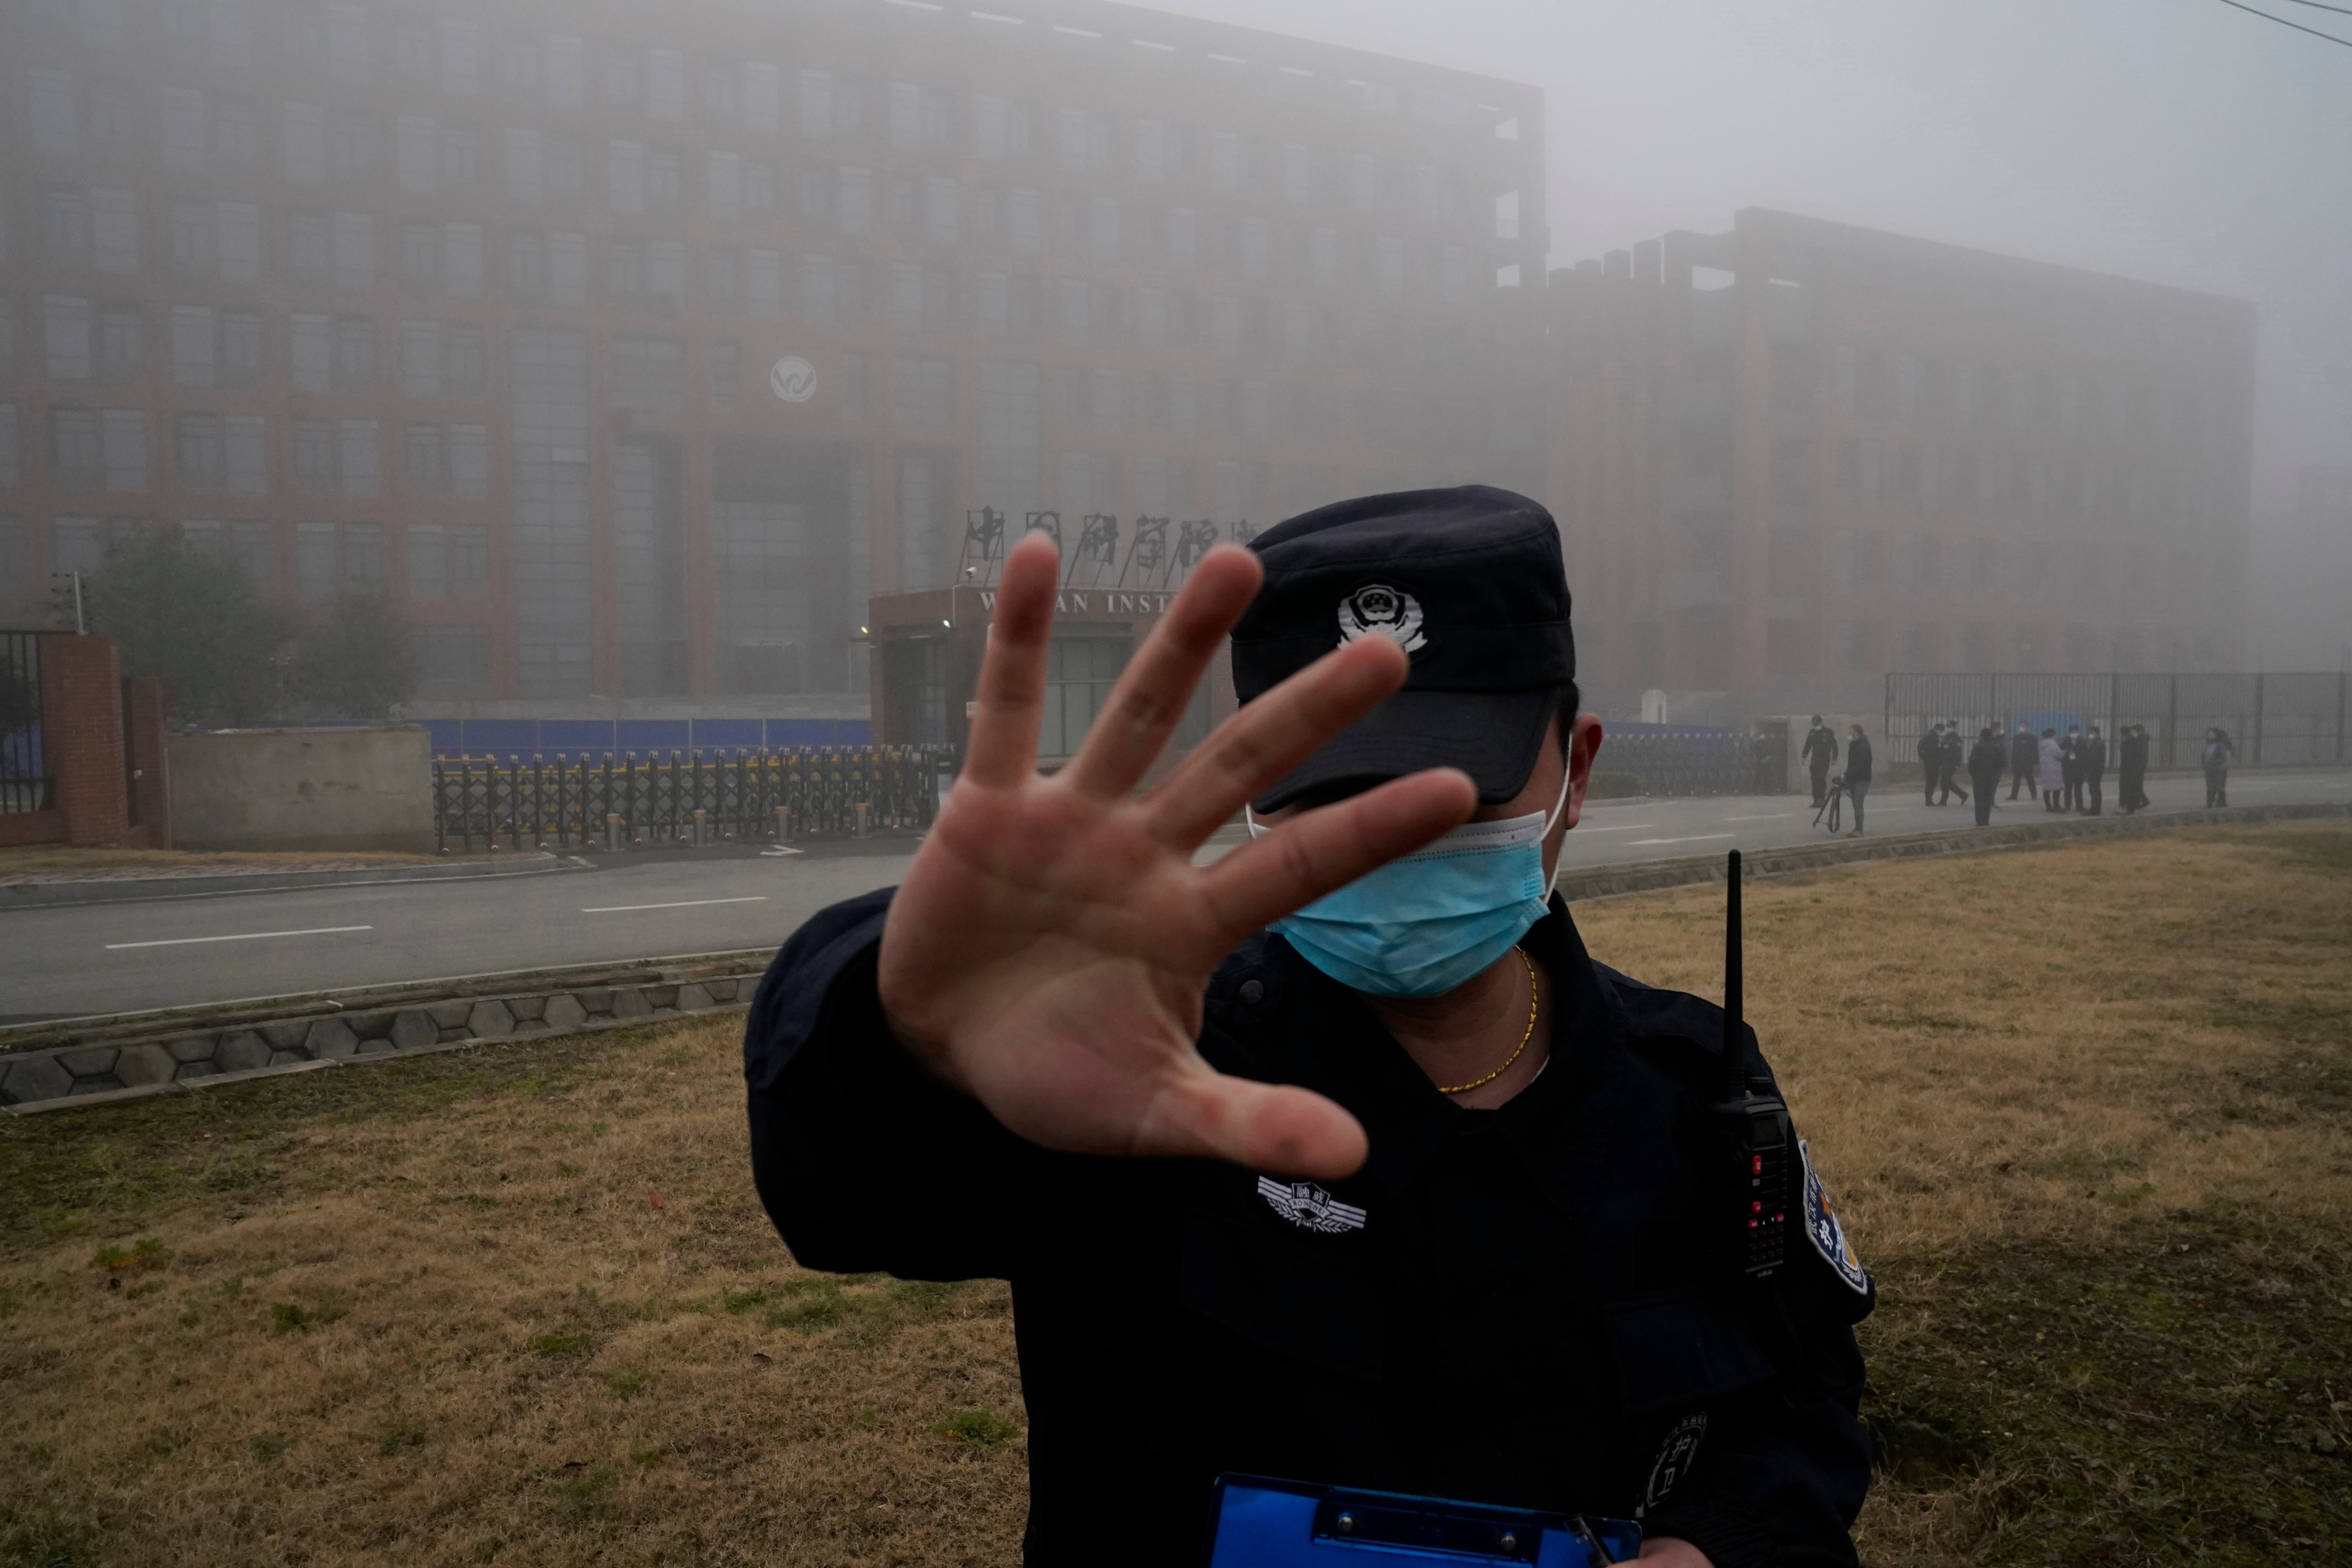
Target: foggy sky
{"points": [[2176, 141]]}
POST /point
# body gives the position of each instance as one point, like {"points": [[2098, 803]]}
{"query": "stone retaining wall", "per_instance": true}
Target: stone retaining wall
{"points": [[70, 1074]]}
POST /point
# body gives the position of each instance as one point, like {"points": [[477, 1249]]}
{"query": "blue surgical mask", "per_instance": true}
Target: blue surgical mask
{"points": [[1421, 925]]}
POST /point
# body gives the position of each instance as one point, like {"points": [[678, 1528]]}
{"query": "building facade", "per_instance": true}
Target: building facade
{"points": [[1790, 457], [634, 351]]}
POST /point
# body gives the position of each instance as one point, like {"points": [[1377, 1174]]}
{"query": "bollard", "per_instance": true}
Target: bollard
{"points": [[701, 829], [784, 825], [861, 808], [612, 831]]}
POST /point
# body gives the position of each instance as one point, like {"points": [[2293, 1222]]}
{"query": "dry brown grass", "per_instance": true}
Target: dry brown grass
{"points": [[57, 860], [430, 1312]]}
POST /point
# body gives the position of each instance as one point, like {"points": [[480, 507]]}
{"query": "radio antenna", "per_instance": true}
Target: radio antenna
{"points": [[1734, 1053]]}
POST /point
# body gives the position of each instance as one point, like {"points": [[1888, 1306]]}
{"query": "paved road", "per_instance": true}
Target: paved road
{"points": [[119, 957]]}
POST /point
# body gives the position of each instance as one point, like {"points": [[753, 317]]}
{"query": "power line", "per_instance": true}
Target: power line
{"points": [[2315, 6], [2283, 22]]}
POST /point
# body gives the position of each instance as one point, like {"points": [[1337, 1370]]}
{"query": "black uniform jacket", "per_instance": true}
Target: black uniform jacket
{"points": [[1520, 1306]]}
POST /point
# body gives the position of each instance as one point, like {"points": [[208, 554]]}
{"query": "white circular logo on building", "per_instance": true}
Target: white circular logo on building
{"points": [[793, 379]]}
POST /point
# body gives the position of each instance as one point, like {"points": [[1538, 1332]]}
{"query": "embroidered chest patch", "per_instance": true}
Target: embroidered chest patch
{"points": [[1309, 1207], [1828, 1234]]}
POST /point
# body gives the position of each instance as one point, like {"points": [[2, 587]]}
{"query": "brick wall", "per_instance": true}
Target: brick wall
{"points": [[82, 733]]}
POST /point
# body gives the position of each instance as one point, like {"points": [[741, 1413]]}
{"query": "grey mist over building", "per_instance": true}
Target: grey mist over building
{"points": [[639, 355]]}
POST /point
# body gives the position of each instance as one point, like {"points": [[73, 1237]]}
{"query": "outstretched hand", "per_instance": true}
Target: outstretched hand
{"points": [[1050, 946]]}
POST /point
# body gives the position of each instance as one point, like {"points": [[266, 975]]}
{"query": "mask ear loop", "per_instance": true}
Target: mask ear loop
{"points": [[1557, 807]]}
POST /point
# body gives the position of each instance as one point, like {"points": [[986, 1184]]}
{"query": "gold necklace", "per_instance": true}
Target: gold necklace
{"points": [[1535, 998]]}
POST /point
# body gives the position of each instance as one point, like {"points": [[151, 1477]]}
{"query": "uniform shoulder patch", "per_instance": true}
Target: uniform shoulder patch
{"points": [[1826, 1231], [1309, 1207]]}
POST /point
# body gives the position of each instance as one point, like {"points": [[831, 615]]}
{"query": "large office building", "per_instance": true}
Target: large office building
{"points": [[634, 350], [1792, 456]]}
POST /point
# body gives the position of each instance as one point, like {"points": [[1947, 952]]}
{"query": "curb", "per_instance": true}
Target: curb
{"points": [[253, 1012], [1650, 876], [144, 890], [136, 1056], [171, 1060]]}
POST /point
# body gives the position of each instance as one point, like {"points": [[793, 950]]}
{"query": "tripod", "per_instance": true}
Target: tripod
{"points": [[1831, 807]]}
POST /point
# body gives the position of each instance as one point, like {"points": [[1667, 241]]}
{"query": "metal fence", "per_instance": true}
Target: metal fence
{"points": [[1689, 762], [2282, 720], [25, 782], [746, 795]]}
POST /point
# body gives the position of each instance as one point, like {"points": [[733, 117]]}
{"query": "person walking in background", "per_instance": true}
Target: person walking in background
{"points": [[1931, 759], [2093, 764], [1857, 772], [1820, 753], [1955, 755], [2025, 763], [2216, 759], [2070, 767], [1985, 759], [2053, 772], [2130, 790]]}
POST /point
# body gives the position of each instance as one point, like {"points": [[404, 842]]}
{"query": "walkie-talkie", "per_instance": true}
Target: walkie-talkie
{"points": [[1755, 1127]]}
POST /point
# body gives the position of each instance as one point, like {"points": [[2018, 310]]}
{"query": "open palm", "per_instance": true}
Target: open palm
{"points": [[1049, 947]]}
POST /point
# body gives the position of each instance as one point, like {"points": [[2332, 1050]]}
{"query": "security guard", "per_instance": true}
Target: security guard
{"points": [[1405, 1193]]}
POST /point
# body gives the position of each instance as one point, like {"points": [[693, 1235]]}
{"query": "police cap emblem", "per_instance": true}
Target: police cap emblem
{"points": [[1379, 610]]}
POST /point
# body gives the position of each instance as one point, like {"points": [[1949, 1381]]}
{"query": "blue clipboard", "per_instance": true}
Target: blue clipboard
{"points": [[1259, 1522]]}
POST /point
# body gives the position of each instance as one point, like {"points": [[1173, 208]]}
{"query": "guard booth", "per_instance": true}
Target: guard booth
{"points": [[1117, 582]]}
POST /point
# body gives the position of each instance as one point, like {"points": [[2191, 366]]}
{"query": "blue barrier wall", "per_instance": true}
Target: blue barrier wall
{"points": [[595, 737]]}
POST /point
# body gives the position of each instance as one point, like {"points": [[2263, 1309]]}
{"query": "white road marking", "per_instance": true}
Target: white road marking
{"points": [[241, 936], [1621, 828], [682, 904], [1693, 838], [1768, 816]]}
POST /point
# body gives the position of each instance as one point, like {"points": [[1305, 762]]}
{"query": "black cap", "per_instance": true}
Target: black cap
{"points": [[1469, 581]]}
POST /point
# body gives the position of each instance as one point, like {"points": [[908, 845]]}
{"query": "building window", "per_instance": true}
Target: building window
{"points": [[124, 432], [355, 353], [314, 455], [420, 257], [114, 231], [245, 454], [122, 343], [239, 241], [350, 150], [65, 325], [317, 561], [567, 268], [191, 238], [465, 360], [647, 372], [77, 450], [357, 457], [302, 142], [726, 372], [65, 225], [195, 346], [922, 388], [469, 463], [420, 359], [452, 662], [354, 240], [310, 254], [426, 450], [56, 112], [203, 452], [310, 352]]}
